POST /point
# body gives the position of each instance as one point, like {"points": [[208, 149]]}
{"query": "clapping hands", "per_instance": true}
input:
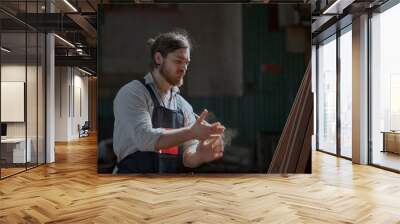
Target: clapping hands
{"points": [[202, 130]]}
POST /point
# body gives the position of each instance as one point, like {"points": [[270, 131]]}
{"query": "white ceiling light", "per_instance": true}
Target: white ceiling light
{"points": [[5, 50], [79, 51], [65, 41], [86, 72], [337, 7], [70, 5]]}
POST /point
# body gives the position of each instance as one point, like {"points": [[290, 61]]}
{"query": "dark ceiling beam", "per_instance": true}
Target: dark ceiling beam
{"points": [[44, 22], [91, 5], [205, 1], [229, 1], [10, 15], [80, 20], [87, 51], [53, 22], [287, 1], [81, 61], [202, 1], [84, 24]]}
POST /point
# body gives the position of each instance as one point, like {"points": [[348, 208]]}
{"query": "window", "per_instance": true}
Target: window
{"points": [[327, 95], [385, 89], [22, 78], [346, 92]]}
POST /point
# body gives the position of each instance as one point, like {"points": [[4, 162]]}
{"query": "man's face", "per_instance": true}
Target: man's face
{"points": [[173, 67]]}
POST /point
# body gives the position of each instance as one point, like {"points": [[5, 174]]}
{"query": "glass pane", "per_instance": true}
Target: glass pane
{"points": [[327, 97], [13, 86], [31, 100], [313, 86], [41, 98], [385, 89], [346, 94]]}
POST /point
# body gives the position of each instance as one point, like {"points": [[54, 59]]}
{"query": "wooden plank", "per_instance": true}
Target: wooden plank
{"points": [[291, 143]]}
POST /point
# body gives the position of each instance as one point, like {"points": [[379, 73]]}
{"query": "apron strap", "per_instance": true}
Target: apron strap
{"points": [[152, 94]]}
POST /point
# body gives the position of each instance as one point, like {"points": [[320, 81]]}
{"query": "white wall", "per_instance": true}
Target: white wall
{"points": [[16, 73], [79, 117], [13, 73], [71, 87], [62, 81], [33, 126]]}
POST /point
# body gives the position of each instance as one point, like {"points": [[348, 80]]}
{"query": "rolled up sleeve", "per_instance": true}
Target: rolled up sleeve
{"points": [[133, 117]]}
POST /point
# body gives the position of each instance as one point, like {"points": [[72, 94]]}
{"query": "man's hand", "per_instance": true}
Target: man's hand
{"points": [[202, 130], [211, 149], [199, 130]]}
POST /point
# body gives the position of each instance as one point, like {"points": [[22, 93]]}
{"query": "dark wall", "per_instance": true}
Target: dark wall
{"points": [[216, 60], [272, 73]]}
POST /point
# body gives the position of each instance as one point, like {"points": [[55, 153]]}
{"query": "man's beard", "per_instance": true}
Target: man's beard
{"points": [[168, 77]]}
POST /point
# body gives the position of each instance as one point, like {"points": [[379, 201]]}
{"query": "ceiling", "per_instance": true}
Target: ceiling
{"points": [[72, 20]]}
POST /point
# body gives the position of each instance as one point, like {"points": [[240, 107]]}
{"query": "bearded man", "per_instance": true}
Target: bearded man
{"points": [[155, 128]]}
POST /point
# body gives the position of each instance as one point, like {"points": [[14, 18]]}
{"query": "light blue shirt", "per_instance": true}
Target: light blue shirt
{"points": [[133, 108]]}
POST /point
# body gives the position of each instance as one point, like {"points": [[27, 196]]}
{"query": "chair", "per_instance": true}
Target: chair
{"points": [[84, 130]]}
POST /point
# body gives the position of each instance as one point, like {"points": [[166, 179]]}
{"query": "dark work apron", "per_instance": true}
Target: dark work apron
{"points": [[165, 161]]}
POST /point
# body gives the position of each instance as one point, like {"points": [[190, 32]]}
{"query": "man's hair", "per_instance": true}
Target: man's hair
{"points": [[166, 43]]}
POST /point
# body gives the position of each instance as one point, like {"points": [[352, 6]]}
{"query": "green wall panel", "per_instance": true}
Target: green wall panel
{"points": [[267, 97]]}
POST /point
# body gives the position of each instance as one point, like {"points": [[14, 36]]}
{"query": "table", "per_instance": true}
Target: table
{"points": [[13, 150], [391, 141]]}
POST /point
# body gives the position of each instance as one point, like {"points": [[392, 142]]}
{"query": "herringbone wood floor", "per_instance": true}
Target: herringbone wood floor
{"points": [[70, 191]]}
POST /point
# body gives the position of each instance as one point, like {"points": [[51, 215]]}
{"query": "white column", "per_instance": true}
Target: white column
{"points": [[50, 93], [360, 90]]}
